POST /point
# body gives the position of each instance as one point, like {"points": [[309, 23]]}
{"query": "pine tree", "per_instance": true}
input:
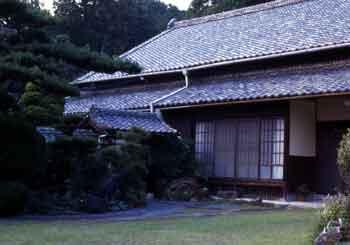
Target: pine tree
{"points": [[31, 56]]}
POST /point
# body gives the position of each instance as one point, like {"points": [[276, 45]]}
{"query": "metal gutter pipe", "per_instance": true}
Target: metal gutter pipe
{"points": [[185, 74]]}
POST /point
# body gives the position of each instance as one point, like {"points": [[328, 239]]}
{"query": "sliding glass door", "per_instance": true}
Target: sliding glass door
{"points": [[244, 148]]}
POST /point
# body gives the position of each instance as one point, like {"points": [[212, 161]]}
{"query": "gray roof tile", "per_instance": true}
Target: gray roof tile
{"points": [[126, 120], [119, 100], [296, 81], [271, 28], [98, 76]]}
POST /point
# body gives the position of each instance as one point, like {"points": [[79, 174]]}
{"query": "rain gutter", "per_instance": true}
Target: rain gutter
{"points": [[185, 74]]}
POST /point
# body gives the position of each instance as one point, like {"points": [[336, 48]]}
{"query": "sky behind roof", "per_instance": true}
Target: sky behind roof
{"points": [[181, 4]]}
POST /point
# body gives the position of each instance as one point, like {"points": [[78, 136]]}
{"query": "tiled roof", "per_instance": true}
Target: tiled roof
{"points": [[126, 120], [274, 28], [50, 134], [97, 76], [289, 82], [119, 100]]}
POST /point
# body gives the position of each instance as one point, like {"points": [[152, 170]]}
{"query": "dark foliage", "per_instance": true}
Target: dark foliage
{"points": [[13, 197], [30, 51], [162, 157], [343, 159], [169, 158], [113, 26], [69, 157], [128, 161], [22, 155]]}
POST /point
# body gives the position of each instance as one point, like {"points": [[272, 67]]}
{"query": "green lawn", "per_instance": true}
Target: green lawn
{"points": [[268, 227]]}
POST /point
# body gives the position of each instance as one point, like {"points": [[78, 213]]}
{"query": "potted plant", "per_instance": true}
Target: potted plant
{"points": [[303, 192]]}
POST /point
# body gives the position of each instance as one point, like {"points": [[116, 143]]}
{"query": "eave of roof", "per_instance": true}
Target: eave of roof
{"points": [[325, 79], [133, 99], [126, 120]]}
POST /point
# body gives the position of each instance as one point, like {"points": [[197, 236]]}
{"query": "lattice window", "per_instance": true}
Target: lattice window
{"points": [[225, 144], [205, 146], [272, 148], [247, 148]]}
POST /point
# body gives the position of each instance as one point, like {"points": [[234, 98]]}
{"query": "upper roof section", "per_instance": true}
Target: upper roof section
{"points": [[272, 28], [276, 28]]}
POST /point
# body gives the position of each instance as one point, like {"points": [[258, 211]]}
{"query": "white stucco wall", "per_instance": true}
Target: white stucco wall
{"points": [[302, 135], [333, 109]]}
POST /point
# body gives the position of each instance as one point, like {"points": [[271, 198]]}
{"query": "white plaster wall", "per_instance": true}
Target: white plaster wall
{"points": [[302, 135], [333, 109]]}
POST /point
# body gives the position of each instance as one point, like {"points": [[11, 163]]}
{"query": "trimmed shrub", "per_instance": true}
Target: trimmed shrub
{"points": [[68, 156], [128, 161], [344, 158], [167, 157], [13, 198], [23, 154], [336, 207], [170, 158]]}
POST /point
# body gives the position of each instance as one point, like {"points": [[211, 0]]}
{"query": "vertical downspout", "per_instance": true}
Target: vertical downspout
{"points": [[185, 74]]}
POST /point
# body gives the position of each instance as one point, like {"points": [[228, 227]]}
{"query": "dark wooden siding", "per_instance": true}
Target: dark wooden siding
{"points": [[184, 120]]}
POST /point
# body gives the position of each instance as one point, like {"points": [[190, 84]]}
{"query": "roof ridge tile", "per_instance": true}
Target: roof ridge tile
{"points": [[236, 12]]}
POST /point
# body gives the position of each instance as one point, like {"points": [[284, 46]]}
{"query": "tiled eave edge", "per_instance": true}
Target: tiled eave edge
{"points": [[215, 63], [253, 100]]}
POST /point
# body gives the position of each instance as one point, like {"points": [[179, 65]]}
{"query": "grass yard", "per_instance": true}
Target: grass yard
{"points": [[269, 227]]}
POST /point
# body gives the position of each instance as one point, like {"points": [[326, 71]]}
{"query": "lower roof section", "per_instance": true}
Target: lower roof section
{"points": [[118, 100], [279, 83], [126, 120], [317, 79]]}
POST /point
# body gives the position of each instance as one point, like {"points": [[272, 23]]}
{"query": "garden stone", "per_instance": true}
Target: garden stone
{"points": [[328, 238], [149, 196]]}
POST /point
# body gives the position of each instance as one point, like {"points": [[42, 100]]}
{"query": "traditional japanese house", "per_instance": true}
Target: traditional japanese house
{"points": [[263, 91]]}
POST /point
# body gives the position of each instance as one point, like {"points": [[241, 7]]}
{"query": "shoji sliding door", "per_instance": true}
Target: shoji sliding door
{"points": [[205, 132], [244, 148], [225, 148], [248, 149]]}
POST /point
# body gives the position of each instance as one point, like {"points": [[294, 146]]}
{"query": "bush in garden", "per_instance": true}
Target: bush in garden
{"points": [[169, 158], [336, 207], [13, 198], [22, 155], [128, 161], [69, 160], [92, 174], [344, 158]]}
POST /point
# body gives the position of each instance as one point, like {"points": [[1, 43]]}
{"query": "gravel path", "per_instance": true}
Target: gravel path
{"points": [[153, 210]]}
